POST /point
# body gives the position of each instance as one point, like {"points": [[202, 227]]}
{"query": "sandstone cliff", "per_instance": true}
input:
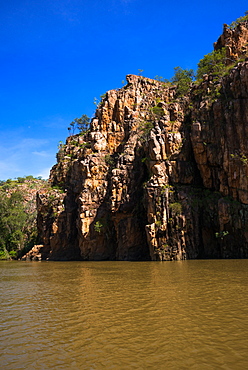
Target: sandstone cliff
{"points": [[157, 177]]}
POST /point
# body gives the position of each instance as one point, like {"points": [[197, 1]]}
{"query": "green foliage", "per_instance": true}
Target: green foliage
{"points": [[81, 124], [96, 102], [221, 234], [183, 79], [157, 111], [158, 223], [59, 188], [215, 62], [98, 227], [4, 255], [21, 179], [9, 183], [30, 177], [109, 160], [74, 143], [85, 144], [241, 157], [15, 221], [167, 186], [176, 208], [18, 215], [162, 79], [13, 254], [212, 63], [61, 147], [145, 128], [239, 20]]}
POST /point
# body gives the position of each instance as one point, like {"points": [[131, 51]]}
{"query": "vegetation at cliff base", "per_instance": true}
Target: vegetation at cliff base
{"points": [[18, 215]]}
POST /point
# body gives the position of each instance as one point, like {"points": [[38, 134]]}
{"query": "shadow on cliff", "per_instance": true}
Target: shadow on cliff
{"points": [[118, 230]]}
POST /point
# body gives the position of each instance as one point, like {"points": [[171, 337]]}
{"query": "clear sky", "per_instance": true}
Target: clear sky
{"points": [[57, 55]]}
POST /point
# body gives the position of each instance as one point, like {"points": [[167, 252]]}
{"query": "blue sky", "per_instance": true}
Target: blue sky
{"points": [[57, 55]]}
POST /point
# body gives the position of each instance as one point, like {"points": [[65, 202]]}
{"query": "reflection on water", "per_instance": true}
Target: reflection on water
{"points": [[124, 315]]}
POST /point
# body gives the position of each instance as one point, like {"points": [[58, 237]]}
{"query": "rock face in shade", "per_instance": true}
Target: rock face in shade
{"points": [[156, 177]]}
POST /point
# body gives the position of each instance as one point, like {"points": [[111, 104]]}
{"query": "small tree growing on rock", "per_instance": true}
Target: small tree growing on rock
{"points": [[81, 124], [212, 63], [182, 78]]}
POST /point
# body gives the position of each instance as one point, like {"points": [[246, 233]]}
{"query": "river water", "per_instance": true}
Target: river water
{"points": [[124, 315]]}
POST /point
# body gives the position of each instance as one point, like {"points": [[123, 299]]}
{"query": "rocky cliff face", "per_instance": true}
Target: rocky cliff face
{"points": [[234, 41], [156, 177]]}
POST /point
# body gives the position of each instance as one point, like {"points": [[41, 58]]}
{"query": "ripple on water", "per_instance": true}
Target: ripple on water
{"points": [[117, 315]]}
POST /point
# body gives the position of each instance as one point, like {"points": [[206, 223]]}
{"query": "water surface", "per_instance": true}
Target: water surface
{"points": [[124, 315]]}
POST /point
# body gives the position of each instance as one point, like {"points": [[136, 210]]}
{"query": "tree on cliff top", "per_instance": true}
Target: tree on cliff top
{"points": [[239, 20], [81, 124], [212, 63], [182, 78]]}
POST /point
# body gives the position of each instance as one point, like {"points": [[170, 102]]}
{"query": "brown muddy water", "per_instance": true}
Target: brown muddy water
{"points": [[124, 315]]}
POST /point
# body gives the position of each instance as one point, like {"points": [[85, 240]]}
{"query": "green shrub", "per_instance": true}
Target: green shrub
{"points": [[182, 79], [13, 254], [98, 227], [212, 63], [239, 20], [241, 157], [3, 255], [157, 111], [109, 160], [81, 124], [221, 234], [176, 207], [58, 187], [162, 79], [145, 128]]}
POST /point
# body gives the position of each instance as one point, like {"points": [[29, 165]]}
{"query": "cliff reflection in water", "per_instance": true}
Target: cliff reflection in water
{"points": [[124, 315]]}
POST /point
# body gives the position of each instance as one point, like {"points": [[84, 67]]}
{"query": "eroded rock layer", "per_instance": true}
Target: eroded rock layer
{"points": [[156, 177]]}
